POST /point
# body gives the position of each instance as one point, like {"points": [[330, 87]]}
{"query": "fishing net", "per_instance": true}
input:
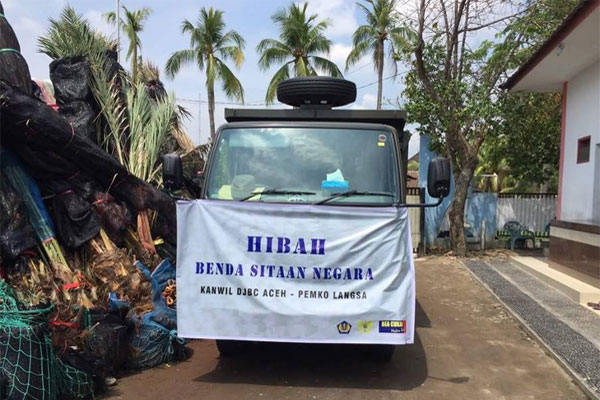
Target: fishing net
{"points": [[73, 383], [29, 369]]}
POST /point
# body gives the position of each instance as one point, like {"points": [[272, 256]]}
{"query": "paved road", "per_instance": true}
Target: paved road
{"points": [[467, 347]]}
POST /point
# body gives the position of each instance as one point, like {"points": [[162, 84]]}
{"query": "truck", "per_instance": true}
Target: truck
{"points": [[301, 230]]}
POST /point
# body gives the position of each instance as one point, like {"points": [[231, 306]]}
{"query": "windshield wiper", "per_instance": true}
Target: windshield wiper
{"points": [[353, 193], [276, 191]]}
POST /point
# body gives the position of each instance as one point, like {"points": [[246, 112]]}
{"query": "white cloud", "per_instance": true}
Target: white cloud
{"points": [[9, 4], [28, 30], [98, 22], [368, 101], [340, 14], [30, 26], [338, 54]]}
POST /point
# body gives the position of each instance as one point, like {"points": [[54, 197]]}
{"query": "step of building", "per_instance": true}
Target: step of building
{"points": [[577, 290]]}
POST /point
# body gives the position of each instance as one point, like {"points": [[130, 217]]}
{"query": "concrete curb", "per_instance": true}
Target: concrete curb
{"points": [[562, 362]]}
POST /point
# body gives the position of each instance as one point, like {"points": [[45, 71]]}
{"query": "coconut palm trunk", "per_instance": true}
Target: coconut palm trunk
{"points": [[380, 61], [134, 62], [210, 89]]}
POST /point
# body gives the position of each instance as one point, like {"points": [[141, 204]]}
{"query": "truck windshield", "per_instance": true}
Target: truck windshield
{"points": [[304, 165]]}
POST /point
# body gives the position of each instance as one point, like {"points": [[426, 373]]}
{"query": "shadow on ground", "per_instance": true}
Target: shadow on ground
{"points": [[319, 365]]}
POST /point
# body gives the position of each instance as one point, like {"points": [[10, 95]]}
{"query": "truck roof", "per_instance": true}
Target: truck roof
{"points": [[393, 118]]}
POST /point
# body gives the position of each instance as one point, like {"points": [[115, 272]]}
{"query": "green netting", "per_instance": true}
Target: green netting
{"points": [[29, 368], [74, 383]]}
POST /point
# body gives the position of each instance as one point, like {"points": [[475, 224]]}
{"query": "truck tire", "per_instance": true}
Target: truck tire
{"points": [[231, 348], [316, 90]]}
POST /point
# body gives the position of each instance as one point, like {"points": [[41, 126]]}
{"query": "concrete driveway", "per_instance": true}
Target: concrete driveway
{"points": [[467, 347]]}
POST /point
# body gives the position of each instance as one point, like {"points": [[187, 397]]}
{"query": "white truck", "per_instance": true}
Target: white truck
{"points": [[301, 232]]}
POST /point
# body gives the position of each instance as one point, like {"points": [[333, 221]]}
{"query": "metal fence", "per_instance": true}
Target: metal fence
{"points": [[416, 216], [532, 210]]}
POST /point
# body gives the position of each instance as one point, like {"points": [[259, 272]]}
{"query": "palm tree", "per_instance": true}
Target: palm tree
{"points": [[210, 48], [382, 26], [132, 25], [301, 38]]}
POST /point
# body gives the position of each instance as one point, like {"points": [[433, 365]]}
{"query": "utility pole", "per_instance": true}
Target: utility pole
{"points": [[118, 14]]}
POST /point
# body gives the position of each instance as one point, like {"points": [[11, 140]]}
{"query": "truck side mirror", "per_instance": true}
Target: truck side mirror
{"points": [[172, 172], [438, 178]]}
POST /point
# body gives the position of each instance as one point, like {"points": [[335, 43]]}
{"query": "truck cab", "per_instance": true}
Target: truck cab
{"points": [[315, 164]]}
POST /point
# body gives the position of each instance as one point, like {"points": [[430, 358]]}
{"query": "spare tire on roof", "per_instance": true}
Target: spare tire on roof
{"points": [[316, 90]]}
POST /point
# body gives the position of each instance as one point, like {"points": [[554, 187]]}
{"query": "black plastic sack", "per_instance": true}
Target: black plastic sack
{"points": [[81, 116], [13, 67], [156, 89], [167, 251], [44, 165], [112, 66], [70, 77], [19, 265], [115, 217], [16, 234], [110, 342], [76, 221], [28, 122], [109, 339]]}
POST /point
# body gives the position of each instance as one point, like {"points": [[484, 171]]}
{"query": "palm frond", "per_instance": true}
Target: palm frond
{"points": [[327, 66], [148, 72], [234, 53], [107, 94], [301, 38], [72, 36], [230, 84], [149, 124], [273, 52], [177, 60], [357, 53], [282, 74]]}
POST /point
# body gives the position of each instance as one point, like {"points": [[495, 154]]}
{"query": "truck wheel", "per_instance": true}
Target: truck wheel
{"points": [[382, 352], [231, 348], [316, 90]]}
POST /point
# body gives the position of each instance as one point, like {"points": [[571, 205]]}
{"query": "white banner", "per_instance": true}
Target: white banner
{"points": [[294, 273]]}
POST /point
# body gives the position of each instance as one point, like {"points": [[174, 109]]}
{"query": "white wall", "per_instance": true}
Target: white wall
{"points": [[582, 119]]}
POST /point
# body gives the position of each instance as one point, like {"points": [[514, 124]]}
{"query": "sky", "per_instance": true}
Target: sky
{"points": [[162, 36]]}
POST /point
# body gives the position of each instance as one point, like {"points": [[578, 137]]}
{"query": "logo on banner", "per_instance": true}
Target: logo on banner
{"points": [[364, 326], [344, 327], [392, 326]]}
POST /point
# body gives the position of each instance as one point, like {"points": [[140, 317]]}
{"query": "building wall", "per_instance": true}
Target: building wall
{"points": [[578, 200]]}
